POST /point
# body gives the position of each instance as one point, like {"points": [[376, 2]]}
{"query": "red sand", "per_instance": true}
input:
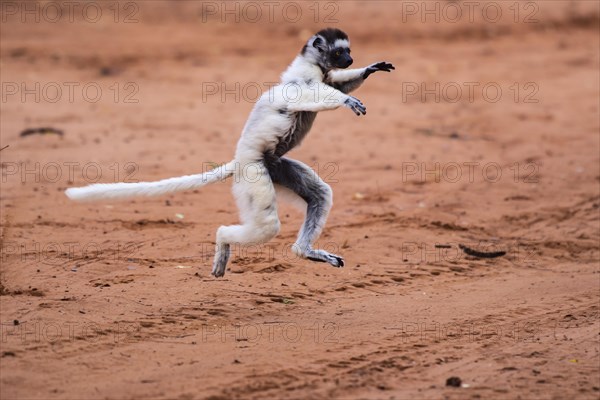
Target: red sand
{"points": [[105, 310]]}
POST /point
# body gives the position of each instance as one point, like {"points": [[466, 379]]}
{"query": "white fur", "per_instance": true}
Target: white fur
{"points": [[301, 89], [344, 75], [341, 43], [101, 191]]}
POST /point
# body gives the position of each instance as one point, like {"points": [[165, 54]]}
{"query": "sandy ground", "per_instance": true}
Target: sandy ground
{"points": [[116, 301]]}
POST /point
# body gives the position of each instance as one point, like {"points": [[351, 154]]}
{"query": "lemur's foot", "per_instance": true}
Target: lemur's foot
{"points": [[323, 256], [220, 261]]}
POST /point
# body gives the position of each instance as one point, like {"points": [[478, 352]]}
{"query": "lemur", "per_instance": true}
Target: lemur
{"points": [[317, 80]]}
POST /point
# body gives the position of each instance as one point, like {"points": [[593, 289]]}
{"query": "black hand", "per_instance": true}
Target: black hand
{"points": [[380, 66]]}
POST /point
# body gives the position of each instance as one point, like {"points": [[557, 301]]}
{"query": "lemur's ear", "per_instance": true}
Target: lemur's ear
{"points": [[317, 43]]}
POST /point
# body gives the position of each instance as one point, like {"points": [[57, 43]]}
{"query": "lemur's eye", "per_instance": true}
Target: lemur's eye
{"points": [[338, 53]]}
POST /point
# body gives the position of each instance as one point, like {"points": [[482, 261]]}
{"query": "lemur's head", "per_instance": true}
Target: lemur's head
{"points": [[329, 48]]}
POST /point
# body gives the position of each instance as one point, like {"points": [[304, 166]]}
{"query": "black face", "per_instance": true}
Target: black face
{"points": [[340, 57]]}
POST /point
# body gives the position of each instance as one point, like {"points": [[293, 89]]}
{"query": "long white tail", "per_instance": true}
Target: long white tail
{"points": [[121, 190]]}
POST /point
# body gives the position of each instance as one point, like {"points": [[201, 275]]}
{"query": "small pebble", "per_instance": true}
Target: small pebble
{"points": [[453, 381]]}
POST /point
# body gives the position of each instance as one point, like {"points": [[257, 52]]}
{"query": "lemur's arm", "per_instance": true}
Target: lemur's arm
{"points": [[349, 80], [317, 97]]}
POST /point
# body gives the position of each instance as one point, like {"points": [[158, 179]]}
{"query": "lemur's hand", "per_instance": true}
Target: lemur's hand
{"points": [[355, 105], [380, 66]]}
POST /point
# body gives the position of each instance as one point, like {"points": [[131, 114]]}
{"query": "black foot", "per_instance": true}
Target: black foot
{"points": [[323, 256]]}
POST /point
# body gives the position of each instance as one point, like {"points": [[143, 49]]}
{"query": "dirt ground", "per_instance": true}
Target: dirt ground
{"points": [[486, 135]]}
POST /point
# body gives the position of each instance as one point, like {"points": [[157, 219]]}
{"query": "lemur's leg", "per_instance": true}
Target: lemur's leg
{"points": [[305, 182], [255, 197]]}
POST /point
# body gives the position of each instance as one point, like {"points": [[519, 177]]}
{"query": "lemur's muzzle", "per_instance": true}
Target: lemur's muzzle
{"points": [[346, 61]]}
